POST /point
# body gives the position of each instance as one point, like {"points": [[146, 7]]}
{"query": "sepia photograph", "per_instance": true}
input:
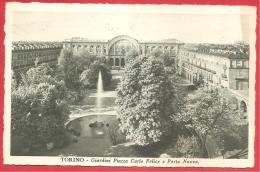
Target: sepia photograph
{"points": [[129, 85]]}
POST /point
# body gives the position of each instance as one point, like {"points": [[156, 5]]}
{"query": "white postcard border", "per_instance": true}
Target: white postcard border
{"points": [[88, 161]]}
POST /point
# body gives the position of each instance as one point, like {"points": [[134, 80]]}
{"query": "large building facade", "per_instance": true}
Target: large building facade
{"points": [[117, 48], [218, 65], [28, 54], [225, 66]]}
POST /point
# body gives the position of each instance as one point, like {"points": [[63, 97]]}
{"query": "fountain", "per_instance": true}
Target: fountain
{"points": [[100, 90], [90, 123], [101, 93]]}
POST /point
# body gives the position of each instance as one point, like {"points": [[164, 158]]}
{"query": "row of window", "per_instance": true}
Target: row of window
{"points": [[147, 47], [87, 46], [160, 47], [187, 54], [35, 54], [27, 65], [241, 85], [32, 61], [239, 64], [234, 63], [120, 48], [91, 50], [169, 51], [204, 75], [117, 62], [204, 63]]}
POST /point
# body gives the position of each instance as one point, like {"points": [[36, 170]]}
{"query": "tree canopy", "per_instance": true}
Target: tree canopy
{"points": [[38, 113], [81, 70], [144, 99], [208, 114], [89, 77]]}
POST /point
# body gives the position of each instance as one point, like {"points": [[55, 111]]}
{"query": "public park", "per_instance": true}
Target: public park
{"points": [[146, 81], [142, 106]]}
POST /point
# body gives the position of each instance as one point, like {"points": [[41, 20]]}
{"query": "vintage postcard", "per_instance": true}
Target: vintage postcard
{"points": [[129, 85]]}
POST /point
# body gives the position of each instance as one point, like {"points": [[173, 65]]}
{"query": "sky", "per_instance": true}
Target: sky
{"points": [[191, 24]]}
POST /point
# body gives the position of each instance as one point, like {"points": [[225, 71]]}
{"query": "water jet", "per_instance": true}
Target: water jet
{"points": [[100, 90]]}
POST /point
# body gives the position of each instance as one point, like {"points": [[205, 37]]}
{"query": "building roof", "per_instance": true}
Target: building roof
{"points": [[24, 45], [167, 41], [237, 50], [81, 40]]}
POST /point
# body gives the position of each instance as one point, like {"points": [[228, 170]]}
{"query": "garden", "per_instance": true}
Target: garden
{"points": [[146, 111]]}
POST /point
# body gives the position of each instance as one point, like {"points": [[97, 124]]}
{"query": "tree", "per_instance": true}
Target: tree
{"points": [[82, 69], [208, 113], [86, 58], [187, 147], [38, 113], [198, 82], [69, 69], [131, 55], [144, 99], [156, 53], [43, 74], [89, 77], [167, 61], [39, 74]]}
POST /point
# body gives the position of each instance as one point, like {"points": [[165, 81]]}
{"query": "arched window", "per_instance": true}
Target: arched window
{"points": [[121, 48], [98, 49], [91, 48], [243, 107], [153, 48], [148, 49]]}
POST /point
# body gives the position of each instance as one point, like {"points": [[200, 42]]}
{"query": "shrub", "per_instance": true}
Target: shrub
{"points": [[229, 137], [209, 113], [74, 96], [38, 112], [188, 147], [115, 134]]}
